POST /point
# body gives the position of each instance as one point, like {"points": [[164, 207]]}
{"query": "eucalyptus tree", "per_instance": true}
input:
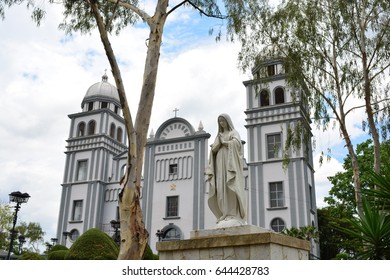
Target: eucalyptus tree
{"points": [[33, 233], [336, 52], [6, 218], [110, 17]]}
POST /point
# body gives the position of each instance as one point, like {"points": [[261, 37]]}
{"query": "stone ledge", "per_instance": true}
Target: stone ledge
{"points": [[238, 230], [234, 240]]}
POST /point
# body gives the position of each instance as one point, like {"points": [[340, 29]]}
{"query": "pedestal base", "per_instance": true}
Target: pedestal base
{"points": [[235, 243]]}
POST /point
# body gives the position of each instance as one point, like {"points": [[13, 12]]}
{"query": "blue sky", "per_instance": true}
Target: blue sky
{"points": [[45, 75]]}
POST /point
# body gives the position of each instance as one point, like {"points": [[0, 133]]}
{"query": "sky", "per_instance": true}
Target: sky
{"points": [[44, 76]]}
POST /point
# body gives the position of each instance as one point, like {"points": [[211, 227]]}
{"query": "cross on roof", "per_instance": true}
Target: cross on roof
{"points": [[175, 110]]}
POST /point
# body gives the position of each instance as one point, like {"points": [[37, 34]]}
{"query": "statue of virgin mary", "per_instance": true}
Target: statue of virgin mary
{"points": [[225, 174]]}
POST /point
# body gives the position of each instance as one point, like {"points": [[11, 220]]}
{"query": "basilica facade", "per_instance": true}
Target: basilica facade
{"points": [[175, 190]]}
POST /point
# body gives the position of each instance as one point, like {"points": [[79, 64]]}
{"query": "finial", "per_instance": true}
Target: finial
{"points": [[105, 77], [200, 127], [151, 135], [175, 111]]}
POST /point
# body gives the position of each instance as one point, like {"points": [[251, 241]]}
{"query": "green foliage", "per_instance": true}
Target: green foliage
{"points": [[148, 255], [58, 247], [6, 217], [57, 255], [37, 13], [333, 241], [57, 252], [381, 187], [342, 191], [342, 256], [306, 233], [31, 256], [341, 229], [78, 16], [373, 228], [32, 232], [93, 244]]}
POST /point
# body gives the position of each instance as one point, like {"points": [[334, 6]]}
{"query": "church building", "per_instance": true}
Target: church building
{"points": [[174, 193]]}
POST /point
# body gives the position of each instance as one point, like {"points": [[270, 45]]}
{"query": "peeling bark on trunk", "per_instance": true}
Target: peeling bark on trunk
{"points": [[369, 111], [134, 236], [343, 127]]}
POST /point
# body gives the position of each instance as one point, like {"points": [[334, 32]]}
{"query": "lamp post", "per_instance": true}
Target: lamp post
{"points": [[18, 198], [22, 240], [160, 234], [48, 247], [54, 240], [116, 226], [66, 234]]}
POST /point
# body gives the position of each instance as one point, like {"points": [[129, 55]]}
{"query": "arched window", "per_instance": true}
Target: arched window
{"points": [[171, 232], [119, 134], [277, 225], [112, 130], [279, 95], [91, 127], [81, 129], [264, 98]]}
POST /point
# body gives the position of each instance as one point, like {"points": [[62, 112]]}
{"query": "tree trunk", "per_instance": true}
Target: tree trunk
{"points": [[355, 170], [134, 236], [344, 131], [367, 91]]}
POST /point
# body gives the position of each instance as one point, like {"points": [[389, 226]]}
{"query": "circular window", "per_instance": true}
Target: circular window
{"points": [[277, 224], [74, 234]]}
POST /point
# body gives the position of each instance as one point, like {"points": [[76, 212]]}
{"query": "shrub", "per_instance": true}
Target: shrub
{"points": [[31, 256], [93, 244], [57, 255], [58, 247]]}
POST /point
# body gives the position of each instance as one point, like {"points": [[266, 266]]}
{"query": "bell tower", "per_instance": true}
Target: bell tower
{"points": [[281, 196], [97, 136]]}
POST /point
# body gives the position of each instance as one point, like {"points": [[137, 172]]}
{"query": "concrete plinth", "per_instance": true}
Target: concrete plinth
{"points": [[235, 243]]}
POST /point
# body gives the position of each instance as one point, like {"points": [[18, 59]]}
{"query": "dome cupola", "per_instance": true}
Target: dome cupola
{"points": [[102, 93]]}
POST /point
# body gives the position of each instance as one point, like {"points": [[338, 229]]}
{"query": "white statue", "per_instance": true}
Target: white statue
{"points": [[225, 175]]}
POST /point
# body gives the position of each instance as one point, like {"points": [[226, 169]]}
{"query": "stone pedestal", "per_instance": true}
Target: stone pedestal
{"points": [[235, 243]]}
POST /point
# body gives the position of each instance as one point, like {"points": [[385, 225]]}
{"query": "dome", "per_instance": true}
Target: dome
{"points": [[103, 91]]}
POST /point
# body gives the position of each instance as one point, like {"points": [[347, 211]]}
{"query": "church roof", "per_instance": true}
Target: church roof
{"points": [[174, 128], [103, 91]]}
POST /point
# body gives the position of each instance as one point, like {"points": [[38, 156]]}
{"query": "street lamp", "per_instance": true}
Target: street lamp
{"points": [[66, 234], [48, 247], [54, 240], [18, 198], [22, 240], [160, 234], [116, 226]]}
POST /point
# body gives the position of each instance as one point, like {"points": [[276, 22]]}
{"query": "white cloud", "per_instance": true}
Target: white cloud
{"points": [[328, 168]]}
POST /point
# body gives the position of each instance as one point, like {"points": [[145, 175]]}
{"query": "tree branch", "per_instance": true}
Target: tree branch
{"points": [[197, 8], [113, 13], [145, 16], [372, 104]]}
